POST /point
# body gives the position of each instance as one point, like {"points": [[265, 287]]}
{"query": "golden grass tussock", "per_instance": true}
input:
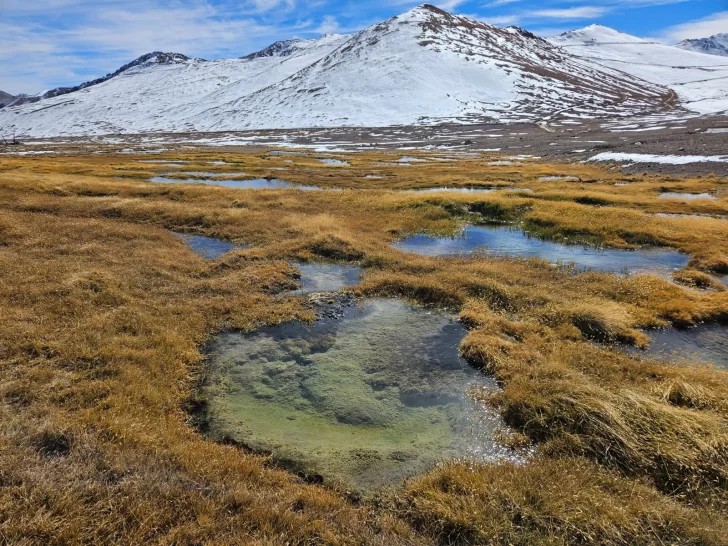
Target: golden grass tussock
{"points": [[103, 314], [569, 501]]}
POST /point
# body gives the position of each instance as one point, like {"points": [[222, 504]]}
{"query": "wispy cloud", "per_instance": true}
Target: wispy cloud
{"points": [[700, 28], [568, 14]]}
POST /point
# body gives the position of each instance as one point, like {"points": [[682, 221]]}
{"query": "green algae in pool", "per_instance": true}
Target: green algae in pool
{"points": [[364, 401], [317, 277]]}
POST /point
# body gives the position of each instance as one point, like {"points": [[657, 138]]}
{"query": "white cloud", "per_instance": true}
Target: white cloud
{"points": [[701, 28], [497, 3], [328, 26], [569, 14], [450, 5], [501, 20]]}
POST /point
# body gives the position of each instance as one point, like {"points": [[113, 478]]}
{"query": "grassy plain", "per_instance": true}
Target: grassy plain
{"points": [[103, 314]]}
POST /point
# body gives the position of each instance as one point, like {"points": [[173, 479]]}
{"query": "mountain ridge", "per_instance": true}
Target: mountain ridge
{"points": [[697, 78], [425, 66], [712, 45], [6, 99]]}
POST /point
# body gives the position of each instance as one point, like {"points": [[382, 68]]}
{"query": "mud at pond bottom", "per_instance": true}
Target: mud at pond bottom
{"points": [[363, 402]]}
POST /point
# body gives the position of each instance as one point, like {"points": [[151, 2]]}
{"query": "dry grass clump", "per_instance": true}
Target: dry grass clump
{"points": [[569, 501], [697, 279], [103, 313]]}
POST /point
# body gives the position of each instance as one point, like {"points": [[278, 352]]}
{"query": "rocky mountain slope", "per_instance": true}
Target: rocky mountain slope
{"points": [[714, 45], [5, 99], [700, 80], [423, 67]]}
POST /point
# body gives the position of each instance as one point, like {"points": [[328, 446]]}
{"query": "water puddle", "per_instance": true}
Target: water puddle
{"points": [[163, 163], [256, 184], [686, 215], [208, 247], [469, 190], [686, 196], [207, 174], [460, 190], [334, 162], [366, 400], [700, 345], [507, 241], [326, 277], [556, 178]]}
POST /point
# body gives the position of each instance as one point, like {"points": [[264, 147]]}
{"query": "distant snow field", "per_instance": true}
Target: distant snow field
{"points": [[654, 158]]}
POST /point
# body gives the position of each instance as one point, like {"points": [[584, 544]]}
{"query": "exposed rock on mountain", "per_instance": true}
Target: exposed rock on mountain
{"points": [[714, 45]]}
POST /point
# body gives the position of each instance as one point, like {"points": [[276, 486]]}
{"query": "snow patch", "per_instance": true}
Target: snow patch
{"points": [[654, 158]]}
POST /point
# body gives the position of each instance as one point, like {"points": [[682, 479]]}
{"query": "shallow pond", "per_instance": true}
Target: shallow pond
{"points": [[334, 162], [163, 163], [700, 345], [366, 400], [208, 247], [555, 178], [686, 196], [469, 190], [208, 174], [326, 277], [460, 190], [507, 241], [257, 184]]}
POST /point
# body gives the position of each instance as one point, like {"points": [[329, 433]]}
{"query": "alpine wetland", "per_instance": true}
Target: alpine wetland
{"points": [[478, 298]]}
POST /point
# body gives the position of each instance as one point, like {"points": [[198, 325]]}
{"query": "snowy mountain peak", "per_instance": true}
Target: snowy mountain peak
{"points": [[286, 48], [157, 57], [281, 48], [713, 45], [425, 66], [150, 59], [596, 34], [422, 11], [5, 99]]}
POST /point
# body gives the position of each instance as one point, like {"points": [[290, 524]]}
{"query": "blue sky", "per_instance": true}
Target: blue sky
{"points": [[48, 43]]}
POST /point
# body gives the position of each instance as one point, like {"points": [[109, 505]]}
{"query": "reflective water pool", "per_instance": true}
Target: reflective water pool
{"points": [[257, 184], [366, 400], [326, 277], [208, 247], [687, 196], [700, 345], [507, 241], [334, 162]]}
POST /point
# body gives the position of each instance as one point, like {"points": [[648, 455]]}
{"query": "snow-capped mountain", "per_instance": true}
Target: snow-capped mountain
{"points": [[699, 80], [5, 99], [714, 45], [425, 66]]}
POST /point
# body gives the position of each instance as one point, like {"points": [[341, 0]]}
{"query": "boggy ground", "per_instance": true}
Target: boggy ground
{"points": [[103, 314]]}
